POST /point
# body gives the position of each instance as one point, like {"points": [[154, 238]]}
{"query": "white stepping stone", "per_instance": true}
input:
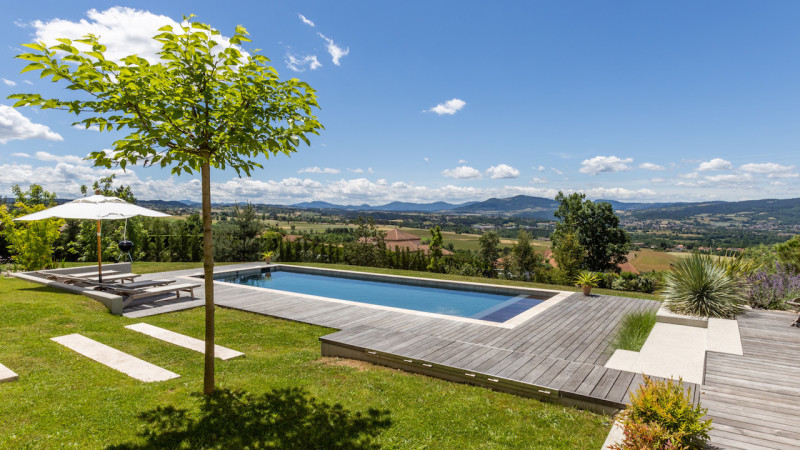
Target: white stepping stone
{"points": [[7, 374], [115, 359], [184, 341]]}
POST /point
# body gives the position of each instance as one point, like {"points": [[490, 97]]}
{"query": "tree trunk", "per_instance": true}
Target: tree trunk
{"points": [[208, 272]]}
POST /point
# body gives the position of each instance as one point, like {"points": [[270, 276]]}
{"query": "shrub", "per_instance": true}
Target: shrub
{"points": [[702, 286], [770, 289], [634, 331], [661, 416]]}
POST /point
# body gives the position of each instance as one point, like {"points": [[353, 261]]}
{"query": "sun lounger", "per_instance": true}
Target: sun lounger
{"points": [[136, 294], [84, 279]]}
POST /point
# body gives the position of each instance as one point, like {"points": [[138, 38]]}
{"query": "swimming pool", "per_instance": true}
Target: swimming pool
{"points": [[452, 299]]}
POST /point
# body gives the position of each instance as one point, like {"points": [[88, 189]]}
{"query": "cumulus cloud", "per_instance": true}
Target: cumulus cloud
{"points": [[556, 171], [124, 31], [620, 193], [334, 50], [449, 107], [356, 170], [600, 164], [651, 166], [462, 172], [540, 168], [8, 82], [306, 21], [302, 63], [658, 180], [715, 164], [730, 178], [537, 180], [502, 171], [315, 169], [771, 170], [82, 127], [15, 126], [462, 161]]}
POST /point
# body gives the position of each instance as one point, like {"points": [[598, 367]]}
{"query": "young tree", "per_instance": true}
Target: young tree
{"points": [[489, 252], [789, 252], [597, 228], [525, 263], [569, 256], [203, 105], [435, 250]]}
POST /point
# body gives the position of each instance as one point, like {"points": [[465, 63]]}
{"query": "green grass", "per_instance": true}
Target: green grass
{"points": [[445, 276], [633, 331], [63, 399]]}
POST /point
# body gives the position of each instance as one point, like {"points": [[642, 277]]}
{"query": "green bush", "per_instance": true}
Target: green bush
{"points": [[661, 416], [634, 331], [702, 286]]}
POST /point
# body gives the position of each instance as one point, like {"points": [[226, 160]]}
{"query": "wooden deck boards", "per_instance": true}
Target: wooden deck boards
{"points": [[753, 398]]}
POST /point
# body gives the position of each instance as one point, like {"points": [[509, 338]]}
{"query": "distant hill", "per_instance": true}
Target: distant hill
{"points": [[520, 205], [163, 204], [783, 210]]}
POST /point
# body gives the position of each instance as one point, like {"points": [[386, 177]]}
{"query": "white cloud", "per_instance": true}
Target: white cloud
{"points": [[71, 159], [620, 193], [334, 50], [462, 161], [302, 63], [449, 107], [715, 164], [426, 159], [327, 170], [651, 166], [537, 180], [369, 170], [28, 82], [600, 164], [556, 171], [124, 31], [356, 170], [777, 183], [462, 172], [771, 170], [21, 155], [541, 168], [82, 127], [690, 175], [502, 171], [306, 21], [15, 126], [8, 82], [730, 178], [658, 180]]}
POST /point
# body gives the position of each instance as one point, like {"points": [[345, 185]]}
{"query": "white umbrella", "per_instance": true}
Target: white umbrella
{"points": [[95, 207]]}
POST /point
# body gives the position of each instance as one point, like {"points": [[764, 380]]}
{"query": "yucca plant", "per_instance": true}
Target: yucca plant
{"points": [[702, 286]]}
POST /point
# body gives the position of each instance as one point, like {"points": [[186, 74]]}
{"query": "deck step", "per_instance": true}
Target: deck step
{"points": [[115, 359], [183, 340]]}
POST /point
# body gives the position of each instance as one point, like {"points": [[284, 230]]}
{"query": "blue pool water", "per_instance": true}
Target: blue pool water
{"points": [[496, 308]]}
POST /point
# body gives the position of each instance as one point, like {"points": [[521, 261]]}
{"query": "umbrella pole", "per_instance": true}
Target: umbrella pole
{"points": [[99, 255]]}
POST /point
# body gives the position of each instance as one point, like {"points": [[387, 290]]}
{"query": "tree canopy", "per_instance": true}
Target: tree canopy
{"points": [[596, 226], [206, 103]]}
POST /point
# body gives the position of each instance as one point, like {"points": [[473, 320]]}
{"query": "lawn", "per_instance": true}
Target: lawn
{"points": [[281, 394]]}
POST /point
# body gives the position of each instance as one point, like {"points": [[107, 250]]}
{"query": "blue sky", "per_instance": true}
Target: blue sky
{"points": [[459, 101]]}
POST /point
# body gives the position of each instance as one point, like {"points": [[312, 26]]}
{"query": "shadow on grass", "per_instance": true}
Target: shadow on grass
{"points": [[283, 418]]}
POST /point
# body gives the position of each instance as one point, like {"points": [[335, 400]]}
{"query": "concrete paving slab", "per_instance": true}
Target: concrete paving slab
{"points": [[671, 351], [622, 360], [616, 436], [723, 336], [184, 341], [7, 374], [115, 359], [664, 315]]}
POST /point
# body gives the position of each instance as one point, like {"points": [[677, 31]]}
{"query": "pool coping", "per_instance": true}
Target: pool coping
{"points": [[555, 298]]}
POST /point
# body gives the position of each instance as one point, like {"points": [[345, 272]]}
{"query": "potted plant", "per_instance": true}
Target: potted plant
{"points": [[267, 256], [587, 280]]}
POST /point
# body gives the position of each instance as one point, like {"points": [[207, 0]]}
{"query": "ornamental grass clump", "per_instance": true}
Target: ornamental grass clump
{"points": [[702, 286], [661, 416], [771, 290]]}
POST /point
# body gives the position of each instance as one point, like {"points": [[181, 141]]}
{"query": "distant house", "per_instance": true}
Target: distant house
{"points": [[402, 240]]}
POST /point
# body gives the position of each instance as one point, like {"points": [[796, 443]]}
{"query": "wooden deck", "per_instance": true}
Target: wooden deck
{"points": [[557, 355], [754, 399]]}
